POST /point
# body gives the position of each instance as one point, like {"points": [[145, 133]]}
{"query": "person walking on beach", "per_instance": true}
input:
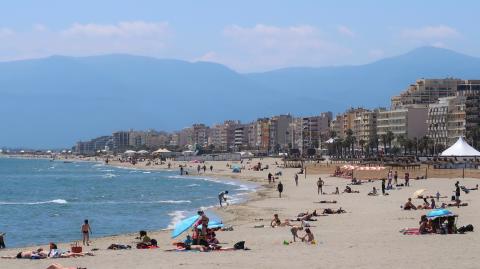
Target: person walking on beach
{"points": [[204, 168], [270, 178], [211, 168], [86, 231], [395, 178], [198, 169], [296, 179], [383, 186], [389, 176], [320, 186], [407, 179], [222, 197], [280, 189]]}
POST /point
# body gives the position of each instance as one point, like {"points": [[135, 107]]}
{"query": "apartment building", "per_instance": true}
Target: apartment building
{"points": [[314, 128], [470, 90], [447, 120], [425, 91], [409, 121]]}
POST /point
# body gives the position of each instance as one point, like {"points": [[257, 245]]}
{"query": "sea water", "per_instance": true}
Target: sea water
{"points": [[45, 201]]}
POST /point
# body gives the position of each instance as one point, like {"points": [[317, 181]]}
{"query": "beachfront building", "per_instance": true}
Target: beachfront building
{"points": [[199, 134], [121, 140], [470, 90], [91, 147], [136, 139], [262, 137], [446, 120], [408, 121], [241, 137], [223, 135], [279, 132], [154, 139], [425, 91], [365, 124], [295, 133], [315, 128]]}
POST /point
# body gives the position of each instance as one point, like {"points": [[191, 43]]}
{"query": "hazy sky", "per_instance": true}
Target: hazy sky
{"points": [[245, 35]]}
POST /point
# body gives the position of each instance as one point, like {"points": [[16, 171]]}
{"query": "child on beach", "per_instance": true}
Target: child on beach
{"points": [[86, 231], [294, 231], [308, 237]]}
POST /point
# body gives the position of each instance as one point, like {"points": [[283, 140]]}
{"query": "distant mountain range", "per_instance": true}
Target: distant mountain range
{"points": [[55, 101]]}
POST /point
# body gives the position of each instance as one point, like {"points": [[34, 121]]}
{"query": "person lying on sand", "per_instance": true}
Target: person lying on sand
{"points": [[409, 205], [328, 202], [56, 253], [59, 266], [33, 255], [458, 203], [333, 211]]}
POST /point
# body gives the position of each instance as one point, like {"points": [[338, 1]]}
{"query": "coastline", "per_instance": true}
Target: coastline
{"points": [[251, 193], [369, 230]]}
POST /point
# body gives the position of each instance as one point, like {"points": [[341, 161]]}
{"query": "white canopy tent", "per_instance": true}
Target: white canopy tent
{"points": [[460, 148], [162, 150]]}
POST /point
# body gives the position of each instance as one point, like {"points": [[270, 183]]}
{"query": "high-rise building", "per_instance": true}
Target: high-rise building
{"points": [[446, 120], [470, 90], [314, 129], [425, 91], [200, 134], [121, 141], [279, 132], [223, 135], [365, 124], [409, 121]]}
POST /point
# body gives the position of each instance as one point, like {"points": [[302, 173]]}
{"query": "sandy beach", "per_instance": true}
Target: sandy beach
{"points": [[367, 236]]}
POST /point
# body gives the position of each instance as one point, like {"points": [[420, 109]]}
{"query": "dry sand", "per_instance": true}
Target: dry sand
{"points": [[365, 237]]}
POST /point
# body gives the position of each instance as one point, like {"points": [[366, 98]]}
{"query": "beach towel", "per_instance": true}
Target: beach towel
{"points": [[411, 231]]}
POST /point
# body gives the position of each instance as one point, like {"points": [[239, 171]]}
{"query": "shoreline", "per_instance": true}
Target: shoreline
{"points": [[216, 177]]}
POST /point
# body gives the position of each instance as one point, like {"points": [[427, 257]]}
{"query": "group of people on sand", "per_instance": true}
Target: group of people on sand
{"points": [[52, 253], [307, 237]]}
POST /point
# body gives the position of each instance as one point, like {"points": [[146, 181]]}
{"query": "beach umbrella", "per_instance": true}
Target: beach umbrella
{"points": [[418, 193], [184, 225], [212, 224], [436, 213]]}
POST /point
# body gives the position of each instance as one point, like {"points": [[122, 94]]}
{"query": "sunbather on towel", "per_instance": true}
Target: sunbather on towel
{"points": [[59, 266]]}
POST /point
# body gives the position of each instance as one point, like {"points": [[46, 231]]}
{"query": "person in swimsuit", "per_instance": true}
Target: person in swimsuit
{"points": [[86, 231], [308, 237], [294, 231]]}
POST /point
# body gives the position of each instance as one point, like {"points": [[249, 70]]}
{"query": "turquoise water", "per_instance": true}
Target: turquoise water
{"points": [[45, 201]]}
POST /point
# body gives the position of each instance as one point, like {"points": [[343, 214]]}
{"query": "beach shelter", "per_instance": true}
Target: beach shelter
{"points": [[438, 213], [460, 148], [236, 168], [142, 152], [161, 150], [130, 152]]}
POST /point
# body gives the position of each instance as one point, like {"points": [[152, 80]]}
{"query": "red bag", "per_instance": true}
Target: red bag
{"points": [[76, 248]]}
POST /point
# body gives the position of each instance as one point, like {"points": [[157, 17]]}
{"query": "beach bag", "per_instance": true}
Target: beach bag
{"points": [[76, 248], [239, 245]]}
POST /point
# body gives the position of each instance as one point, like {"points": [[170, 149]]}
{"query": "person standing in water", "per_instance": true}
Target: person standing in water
{"points": [[280, 189], [86, 231], [222, 197]]}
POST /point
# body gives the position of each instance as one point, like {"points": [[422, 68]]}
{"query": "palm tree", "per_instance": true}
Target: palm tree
{"points": [[415, 145], [401, 139], [390, 137], [383, 137], [361, 143]]}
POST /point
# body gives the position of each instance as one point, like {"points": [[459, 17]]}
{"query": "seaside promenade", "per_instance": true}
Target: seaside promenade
{"points": [[367, 236]]}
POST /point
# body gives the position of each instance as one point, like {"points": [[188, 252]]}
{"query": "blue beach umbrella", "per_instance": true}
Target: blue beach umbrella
{"points": [[437, 213], [212, 224], [184, 225]]}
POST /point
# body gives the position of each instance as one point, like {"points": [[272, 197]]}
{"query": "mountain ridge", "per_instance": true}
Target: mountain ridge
{"points": [[62, 99]]}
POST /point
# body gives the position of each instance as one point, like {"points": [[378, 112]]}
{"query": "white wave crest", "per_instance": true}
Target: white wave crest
{"points": [[55, 201]]}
